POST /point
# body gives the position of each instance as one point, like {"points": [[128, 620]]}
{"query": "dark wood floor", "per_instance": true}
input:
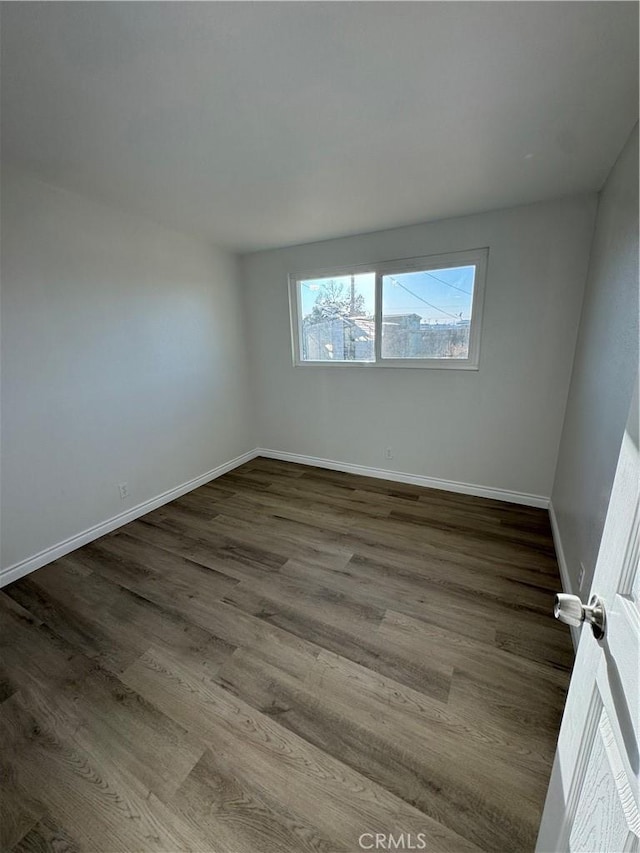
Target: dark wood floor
{"points": [[283, 660]]}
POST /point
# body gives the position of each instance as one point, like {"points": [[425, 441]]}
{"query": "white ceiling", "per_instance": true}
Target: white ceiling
{"points": [[266, 124]]}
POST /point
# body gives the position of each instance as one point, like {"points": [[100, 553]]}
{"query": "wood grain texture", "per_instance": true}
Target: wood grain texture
{"points": [[283, 660]]}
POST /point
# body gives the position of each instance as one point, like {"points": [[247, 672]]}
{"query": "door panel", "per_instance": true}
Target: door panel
{"points": [[605, 812], [592, 802]]}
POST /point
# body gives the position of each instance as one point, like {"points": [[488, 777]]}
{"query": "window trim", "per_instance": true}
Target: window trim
{"points": [[471, 257]]}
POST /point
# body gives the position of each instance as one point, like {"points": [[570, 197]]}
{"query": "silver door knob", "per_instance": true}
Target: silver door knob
{"points": [[570, 610]]}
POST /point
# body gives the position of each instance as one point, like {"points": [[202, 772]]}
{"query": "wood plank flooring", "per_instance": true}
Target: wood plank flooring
{"points": [[283, 660]]}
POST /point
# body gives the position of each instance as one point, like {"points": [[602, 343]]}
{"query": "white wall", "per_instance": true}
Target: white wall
{"points": [[604, 372], [498, 427], [123, 359]]}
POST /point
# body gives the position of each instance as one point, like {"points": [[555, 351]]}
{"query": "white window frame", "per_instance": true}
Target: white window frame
{"points": [[472, 257]]}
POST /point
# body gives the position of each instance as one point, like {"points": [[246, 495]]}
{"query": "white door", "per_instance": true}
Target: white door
{"points": [[592, 802]]}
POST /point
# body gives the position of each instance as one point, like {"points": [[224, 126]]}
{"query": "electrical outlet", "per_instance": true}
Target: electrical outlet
{"points": [[388, 453], [123, 488], [581, 576]]}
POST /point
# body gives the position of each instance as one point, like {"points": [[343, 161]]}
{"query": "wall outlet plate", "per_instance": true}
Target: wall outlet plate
{"points": [[123, 488], [388, 453]]}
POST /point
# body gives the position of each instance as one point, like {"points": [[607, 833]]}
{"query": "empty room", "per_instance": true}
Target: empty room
{"points": [[320, 469]]}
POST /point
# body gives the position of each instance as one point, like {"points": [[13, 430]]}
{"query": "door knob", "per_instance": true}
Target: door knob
{"points": [[570, 610]]}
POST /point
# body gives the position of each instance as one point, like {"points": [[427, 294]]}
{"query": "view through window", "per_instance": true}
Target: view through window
{"points": [[338, 321], [412, 313], [427, 314]]}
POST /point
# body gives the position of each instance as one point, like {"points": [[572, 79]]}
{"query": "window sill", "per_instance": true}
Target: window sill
{"points": [[393, 364]]}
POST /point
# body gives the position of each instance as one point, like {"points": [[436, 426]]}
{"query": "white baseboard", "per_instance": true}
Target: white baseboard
{"points": [[413, 479], [24, 567], [565, 577]]}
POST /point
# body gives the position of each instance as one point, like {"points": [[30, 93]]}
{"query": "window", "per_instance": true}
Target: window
{"points": [[419, 312]]}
